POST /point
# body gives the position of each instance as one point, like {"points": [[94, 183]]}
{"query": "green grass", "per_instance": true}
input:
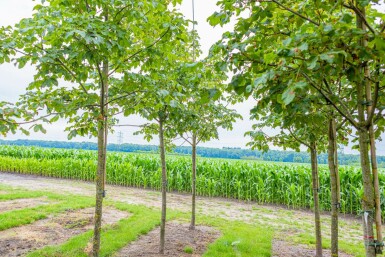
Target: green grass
{"points": [[26, 216], [356, 250], [237, 238], [188, 249], [114, 237], [20, 195]]}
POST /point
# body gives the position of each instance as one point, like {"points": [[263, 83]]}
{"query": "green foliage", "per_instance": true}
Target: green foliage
{"points": [[225, 152], [205, 109], [283, 49], [10, 115], [286, 184], [79, 49]]}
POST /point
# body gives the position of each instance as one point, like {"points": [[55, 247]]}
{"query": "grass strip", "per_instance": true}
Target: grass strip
{"points": [[26, 216]]}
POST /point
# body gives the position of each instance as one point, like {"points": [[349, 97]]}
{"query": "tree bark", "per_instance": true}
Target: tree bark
{"points": [[368, 198], [164, 187], [334, 184], [368, 206], [314, 171], [373, 158], [102, 153], [193, 180], [377, 193]]}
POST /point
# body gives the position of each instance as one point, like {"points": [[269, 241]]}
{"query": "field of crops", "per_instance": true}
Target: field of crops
{"points": [[276, 183]]}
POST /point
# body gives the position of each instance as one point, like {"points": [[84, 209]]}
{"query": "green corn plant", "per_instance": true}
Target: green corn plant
{"points": [[276, 183]]}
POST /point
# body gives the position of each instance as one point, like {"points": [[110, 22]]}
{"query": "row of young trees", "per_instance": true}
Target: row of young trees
{"points": [[316, 70], [97, 59]]}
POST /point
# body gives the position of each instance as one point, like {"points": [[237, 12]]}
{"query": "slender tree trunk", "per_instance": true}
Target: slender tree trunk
{"points": [[317, 216], [368, 206], [164, 187], [334, 184], [193, 180], [377, 193], [102, 154], [368, 198]]}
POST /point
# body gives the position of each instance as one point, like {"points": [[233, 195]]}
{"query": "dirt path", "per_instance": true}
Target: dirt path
{"points": [[180, 242], [285, 249], [23, 203], [281, 219]]}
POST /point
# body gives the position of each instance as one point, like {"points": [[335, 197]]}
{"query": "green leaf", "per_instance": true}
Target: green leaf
{"points": [[288, 96], [304, 47], [347, 18], [327, 57], [312, 63]]}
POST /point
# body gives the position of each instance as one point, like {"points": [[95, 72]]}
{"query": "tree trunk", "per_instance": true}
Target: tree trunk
{"points": [[102, 153], [314, 171], [164, 187], [193, 180], [377, 193], [334, 184], [368, 197]]}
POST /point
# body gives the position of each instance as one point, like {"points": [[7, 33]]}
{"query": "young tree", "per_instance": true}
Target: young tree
{"points": [[205, 110], [299, 124], [91, 45], [160, 100], [161, 104], [315, 48]]}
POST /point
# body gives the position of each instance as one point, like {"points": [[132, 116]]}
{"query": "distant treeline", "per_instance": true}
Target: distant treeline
{"points": [[226, 152]]}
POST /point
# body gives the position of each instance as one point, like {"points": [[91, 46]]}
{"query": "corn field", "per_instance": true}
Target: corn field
{"points": [[275, 183]]}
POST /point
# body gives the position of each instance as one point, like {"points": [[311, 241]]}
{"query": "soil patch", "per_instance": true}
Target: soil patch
{"points": [[285, 249], [180, 242], [54, 230], [22, 203]]}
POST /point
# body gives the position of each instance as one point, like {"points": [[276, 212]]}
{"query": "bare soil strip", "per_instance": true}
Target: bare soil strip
{"points": [[178, 239], [54, 230], [285, 249], [23, 203]]}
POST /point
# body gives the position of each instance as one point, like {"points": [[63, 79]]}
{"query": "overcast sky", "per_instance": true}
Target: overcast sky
{"points": [[13, 81]]}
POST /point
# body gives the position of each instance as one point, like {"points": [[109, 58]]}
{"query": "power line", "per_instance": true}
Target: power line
{"points": [[193, 13]]}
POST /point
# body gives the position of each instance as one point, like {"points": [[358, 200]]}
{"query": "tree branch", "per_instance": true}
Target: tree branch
{"points": [[362, 17], [186, 139], [346, 115], [73, 75], [374, 102], [31, 121], [123, 96], [129, 125], [141, 50], [291, 10], [296, 138]]}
